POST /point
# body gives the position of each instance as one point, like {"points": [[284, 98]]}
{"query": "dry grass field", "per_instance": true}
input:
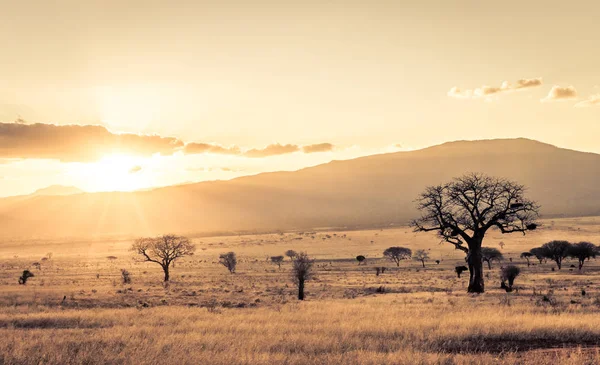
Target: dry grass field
{"points": [[77, 310]]}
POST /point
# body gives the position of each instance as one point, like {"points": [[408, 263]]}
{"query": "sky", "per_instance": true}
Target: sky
{"points": [[123, 95]]}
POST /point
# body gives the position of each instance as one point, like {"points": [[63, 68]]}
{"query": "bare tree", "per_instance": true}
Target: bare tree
{"points": [[489, 254], [397, 254], [509, 273], [302, 270], [229, 260], [465, 209], [291, 254], [556, 251], [360, 259], [421, 255], [277, 260], [526, 256], [583, 251], [163, 250]]}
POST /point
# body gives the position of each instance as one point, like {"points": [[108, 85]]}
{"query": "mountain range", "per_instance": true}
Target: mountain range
{"points": [[377, 190]]}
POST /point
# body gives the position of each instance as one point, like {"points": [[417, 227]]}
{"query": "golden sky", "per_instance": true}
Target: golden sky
{"points": [[232, 88]]}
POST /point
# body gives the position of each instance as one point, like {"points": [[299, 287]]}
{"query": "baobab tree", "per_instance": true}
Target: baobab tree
{"points": [[163, 250], [465, 209]]}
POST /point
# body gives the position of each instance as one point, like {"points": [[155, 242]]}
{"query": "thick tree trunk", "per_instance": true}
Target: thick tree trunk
{"points": [[580, 264], [489, 262], [475, 269], [166, 270], [559, 263], [301, 289]]}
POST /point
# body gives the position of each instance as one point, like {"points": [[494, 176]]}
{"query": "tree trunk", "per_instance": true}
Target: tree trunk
{"points": [[580, 264], [301, 289], [423, 262], [166, 270], [398, 263], [558, 263], [475, 270], [489, 262]]}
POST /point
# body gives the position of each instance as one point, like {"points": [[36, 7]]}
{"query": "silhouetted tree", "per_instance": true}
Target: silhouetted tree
{"points": [[526, 256], [25, 276], [509, 273], [397, 254], [126, 276], [463, 210], [460, 269], [291, 254], [277, 260], [302, 270], [538, 253], [556, 251], [489, 254], [163, 250], [421, 255], [229, 260], [360, 259], [583, 251]]}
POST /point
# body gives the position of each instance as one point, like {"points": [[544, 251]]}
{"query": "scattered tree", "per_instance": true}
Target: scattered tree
{"points": [[37, 265], [489, 254], [379, 270], [302, 270], [501, 244], [463, 210], [460, 269], [538, 252], [291, 254], [126, 276], [25, 276], [421, 255], [526, 256], [229, 260], [397, 254], [277, 260], [509, 273], [556, 251], [360, 259], [163, 250], [583, 251]]}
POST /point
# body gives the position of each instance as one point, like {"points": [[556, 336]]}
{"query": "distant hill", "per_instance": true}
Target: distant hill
{"points": [[367, 191], [58, 190]]}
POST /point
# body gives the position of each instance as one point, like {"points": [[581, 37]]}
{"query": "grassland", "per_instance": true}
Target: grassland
{"points": [[76, 309]]}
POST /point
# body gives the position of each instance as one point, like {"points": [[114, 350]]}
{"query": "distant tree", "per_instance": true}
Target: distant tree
{"points": [[379, 270], [526, 256], [111, 258], [583, 251], [460, 269], [509, 273], [163, 250], [291, 254], [126, 276], [302, 270], [501, 244], [360, 259], [229, 260], [538, 252], [465, 209], [397, 254], [556, 251], [49, 255], [25, 276], [489, 254], [437, 262], [421, 255], [277, 260], [37, 265]]}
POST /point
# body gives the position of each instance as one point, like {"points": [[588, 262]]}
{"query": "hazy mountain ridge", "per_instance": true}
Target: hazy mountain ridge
{"points": [[371, 190]]}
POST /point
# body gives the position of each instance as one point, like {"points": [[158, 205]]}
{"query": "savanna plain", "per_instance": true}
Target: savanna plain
{"points": [[77, 309]]}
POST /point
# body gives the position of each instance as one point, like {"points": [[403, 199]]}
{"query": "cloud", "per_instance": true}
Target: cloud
{"points": [[559, 93], [319, 147], [272, 150], [198, 148], [591, 101], [487, 91], [135, 169], [77, 143]]}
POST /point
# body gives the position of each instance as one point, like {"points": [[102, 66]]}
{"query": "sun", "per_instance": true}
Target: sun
{"points": [[116, 173]]}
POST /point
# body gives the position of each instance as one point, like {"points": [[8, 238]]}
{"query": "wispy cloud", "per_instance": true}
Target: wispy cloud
{"points": [[486, 91], [319, 147], [559, 93], [272, 150], [197, 148], [593, 100]]}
